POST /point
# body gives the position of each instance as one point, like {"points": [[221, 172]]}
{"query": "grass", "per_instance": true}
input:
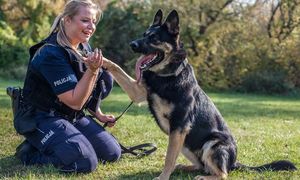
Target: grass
{"points": [[266, 128]]}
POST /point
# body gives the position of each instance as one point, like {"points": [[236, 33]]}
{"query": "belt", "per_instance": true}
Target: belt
{"points": [[70, 117]]}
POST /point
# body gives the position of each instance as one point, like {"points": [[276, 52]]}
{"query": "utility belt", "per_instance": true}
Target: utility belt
{"points": [[70, 117], [66, 113]]}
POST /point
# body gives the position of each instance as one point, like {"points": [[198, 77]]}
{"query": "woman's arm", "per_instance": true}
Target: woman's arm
{"points": [[77, 97]]}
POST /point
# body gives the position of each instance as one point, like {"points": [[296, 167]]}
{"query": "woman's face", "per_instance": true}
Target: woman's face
{"points": [[81, 27]]}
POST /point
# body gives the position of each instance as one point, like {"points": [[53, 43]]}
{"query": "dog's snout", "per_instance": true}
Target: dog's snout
{"points": [[134, 45]]}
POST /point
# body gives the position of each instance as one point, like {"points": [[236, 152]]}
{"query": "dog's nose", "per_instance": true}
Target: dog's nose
{"points": [[134, 45]]}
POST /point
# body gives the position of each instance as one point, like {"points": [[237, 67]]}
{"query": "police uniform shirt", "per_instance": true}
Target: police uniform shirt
{"points": [[51, 61]]}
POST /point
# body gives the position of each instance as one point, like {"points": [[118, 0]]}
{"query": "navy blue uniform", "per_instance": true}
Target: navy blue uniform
{"points": [[71, 146]]}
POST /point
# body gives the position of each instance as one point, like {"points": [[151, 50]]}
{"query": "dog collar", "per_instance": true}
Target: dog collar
{"points": [[178, 70]]}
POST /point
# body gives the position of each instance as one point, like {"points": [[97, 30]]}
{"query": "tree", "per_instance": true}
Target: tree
{"points": [[30, 19], [23, 23], [284, 18]]}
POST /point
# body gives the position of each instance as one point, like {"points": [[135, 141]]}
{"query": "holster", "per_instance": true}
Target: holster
{"points": [[23, 112]]}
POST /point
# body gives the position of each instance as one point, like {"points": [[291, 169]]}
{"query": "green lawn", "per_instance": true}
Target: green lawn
{"points": [[267, 128]]}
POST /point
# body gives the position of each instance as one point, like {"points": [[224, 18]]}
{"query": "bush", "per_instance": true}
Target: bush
{"points": [[13, 54], [266, 81], [17, 73]]}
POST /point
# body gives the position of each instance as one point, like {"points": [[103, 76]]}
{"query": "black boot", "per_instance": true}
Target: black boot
{"points": [[24, 152]]}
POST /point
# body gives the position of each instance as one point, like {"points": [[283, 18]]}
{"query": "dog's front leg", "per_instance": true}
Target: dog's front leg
{"points": [[176, 139], [135, 90]]}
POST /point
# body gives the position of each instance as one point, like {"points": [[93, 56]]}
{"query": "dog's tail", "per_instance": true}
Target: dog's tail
{"points": [[282, 165]]}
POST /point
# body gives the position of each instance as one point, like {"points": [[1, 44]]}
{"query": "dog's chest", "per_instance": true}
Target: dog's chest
{"points": [[161, 110]]}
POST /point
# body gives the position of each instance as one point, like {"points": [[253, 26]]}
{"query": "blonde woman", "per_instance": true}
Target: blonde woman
{"points": [[62, 80]]}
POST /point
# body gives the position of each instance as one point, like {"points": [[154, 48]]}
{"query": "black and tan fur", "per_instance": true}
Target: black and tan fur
{"points": [[180, 107]]}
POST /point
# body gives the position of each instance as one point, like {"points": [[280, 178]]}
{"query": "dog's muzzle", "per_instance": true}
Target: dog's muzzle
{"points": [[134, 46], [140, 46]]}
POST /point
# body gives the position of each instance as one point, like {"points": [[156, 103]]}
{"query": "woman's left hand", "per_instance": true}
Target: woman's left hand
{"points": [[94, 60], [110, 119]]}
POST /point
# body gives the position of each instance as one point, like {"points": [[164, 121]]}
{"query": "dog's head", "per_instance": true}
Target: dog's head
{"points": [[158, 45]]}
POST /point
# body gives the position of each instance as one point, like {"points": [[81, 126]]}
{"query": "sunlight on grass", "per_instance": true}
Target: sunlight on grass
{"points": [[266, 128]]}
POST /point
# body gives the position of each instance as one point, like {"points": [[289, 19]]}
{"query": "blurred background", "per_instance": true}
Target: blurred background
{"points": [[235, 45]]}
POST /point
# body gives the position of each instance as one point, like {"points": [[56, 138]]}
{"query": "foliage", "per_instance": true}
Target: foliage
{"points": [[22, 23], [31, 19], [12, 53], [239, 54]]}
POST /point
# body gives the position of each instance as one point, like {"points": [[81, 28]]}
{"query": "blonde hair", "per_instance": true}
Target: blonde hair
{"points": [[70, 10]]}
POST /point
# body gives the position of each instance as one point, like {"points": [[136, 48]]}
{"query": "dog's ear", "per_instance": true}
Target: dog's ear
{"points": [[158, 18], [172, 22]]}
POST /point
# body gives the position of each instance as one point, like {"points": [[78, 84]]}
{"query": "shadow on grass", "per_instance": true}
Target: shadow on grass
{"points": [[152, 174], [11, 167]]}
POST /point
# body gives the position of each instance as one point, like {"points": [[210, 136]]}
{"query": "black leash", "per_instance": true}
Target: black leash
{"points": [[138, 150], [117, 118]]}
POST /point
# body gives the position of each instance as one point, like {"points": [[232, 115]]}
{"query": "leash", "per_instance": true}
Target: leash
{"points": [[138, 150], [117, 118]]}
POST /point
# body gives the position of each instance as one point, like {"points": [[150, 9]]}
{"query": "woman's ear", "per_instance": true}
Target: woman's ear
{"points": [[67, 20]]}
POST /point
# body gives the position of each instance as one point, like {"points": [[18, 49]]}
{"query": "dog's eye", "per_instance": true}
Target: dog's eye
{"points": [[153, 37]]}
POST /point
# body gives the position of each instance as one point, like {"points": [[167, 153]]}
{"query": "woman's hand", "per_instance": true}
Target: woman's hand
{"points": [[110, 119], [94, 60]]}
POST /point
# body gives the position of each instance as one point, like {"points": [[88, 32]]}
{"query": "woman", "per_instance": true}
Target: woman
{"points": [[61, 82]]}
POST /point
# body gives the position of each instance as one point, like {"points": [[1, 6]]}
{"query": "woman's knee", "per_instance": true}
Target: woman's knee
{"points": [[86, 164], [77, 155], [112, 154], [105, 145]]}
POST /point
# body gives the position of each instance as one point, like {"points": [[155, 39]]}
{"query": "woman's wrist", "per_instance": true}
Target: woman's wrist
{"points": [[92, 72], [99, 114]]}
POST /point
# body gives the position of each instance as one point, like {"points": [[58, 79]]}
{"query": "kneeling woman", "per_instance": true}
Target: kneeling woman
{"points": [[60, 83]]}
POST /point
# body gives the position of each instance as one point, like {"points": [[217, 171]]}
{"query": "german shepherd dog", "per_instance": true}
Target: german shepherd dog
{"points": [[180, 107]]}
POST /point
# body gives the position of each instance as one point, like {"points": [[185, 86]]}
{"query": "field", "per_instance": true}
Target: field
{"points": [[266, 128]]}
